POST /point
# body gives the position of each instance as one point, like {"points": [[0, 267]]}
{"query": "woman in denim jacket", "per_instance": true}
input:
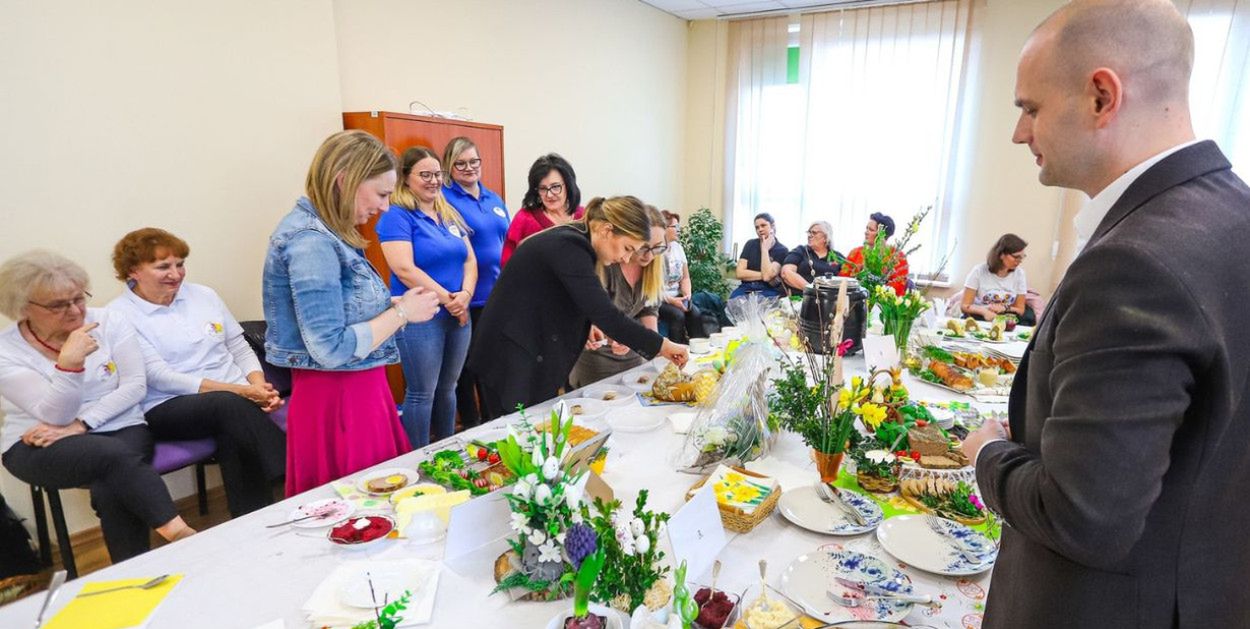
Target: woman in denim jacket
{"points": [[331, 317]]}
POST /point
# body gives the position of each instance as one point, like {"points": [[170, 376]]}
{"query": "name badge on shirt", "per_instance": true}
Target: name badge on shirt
{"points": [[454, 231], [500, 211], [212, 328], [107, 369]]}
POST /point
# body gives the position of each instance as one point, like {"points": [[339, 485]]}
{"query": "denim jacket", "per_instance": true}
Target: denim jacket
{"points": [[320, 294]]}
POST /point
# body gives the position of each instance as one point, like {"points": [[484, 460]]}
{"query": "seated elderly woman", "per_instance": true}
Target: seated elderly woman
{"points": [[71, 379], [203, 379], [805, 263]]}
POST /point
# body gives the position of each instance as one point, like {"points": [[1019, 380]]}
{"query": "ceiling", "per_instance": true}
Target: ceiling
{"points": [[711, 9]]}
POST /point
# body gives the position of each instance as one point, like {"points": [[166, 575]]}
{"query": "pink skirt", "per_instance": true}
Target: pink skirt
{"points": [[338, 423]]}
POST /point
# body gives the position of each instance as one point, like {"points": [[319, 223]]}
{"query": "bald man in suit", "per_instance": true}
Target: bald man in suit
{"points": [[1123, 471]]}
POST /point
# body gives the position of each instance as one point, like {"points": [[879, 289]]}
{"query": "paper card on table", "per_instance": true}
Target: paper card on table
{"points": [[596, 487], [476, 532], [696, 533], [115, 610], [879, 351]]}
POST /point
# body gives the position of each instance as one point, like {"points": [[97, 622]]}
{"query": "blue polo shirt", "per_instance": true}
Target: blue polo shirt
{"points": [[437, 249], [487, 217]]}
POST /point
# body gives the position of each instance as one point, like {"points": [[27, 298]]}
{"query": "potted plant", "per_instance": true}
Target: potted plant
{"points": [[634, 574], [703, 238]]}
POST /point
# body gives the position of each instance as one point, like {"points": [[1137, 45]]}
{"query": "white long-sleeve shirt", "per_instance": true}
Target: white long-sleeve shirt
{"points": [[193, 338], [105, 396]]}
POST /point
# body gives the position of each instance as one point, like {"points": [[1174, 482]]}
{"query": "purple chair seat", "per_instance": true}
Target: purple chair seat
{"points": [[175, 455], [279, 417]]}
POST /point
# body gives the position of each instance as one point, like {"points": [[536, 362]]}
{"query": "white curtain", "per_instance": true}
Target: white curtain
{"points": [[1219, 91], [869, 125]]}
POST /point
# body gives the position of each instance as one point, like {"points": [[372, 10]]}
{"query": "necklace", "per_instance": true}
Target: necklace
{"points": [[54, 350]]}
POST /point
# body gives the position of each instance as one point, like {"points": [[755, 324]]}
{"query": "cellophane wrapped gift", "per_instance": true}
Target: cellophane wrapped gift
{"points": [[732, 427]]}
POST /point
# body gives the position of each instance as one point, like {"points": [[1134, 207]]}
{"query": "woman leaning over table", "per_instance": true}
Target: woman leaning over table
{"points": [[999, 286], [539, 315], [552, 199], [426, 245], [759, 264], [330, 316], [71, 379], [635, 287], [487, 217], [203, 378]]}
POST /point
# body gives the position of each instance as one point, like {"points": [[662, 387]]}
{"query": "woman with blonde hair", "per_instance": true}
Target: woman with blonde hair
{"points": [[426, 244], [330, 316], [72, 379], [635, 287], [539, 315]]}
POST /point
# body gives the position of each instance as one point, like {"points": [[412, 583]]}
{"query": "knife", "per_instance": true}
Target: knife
{"points": [[54, 588], [876, 590], [832, 496]]}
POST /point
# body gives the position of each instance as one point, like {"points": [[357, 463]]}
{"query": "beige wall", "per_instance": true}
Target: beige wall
{"points": [[601, 82], [999, 191], [196, 117]]}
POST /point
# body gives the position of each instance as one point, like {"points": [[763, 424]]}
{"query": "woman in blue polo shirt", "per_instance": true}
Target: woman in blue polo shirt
{"points": [[426, 244], [487, 217]]}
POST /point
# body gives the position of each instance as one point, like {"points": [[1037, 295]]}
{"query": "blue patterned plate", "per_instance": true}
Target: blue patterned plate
{"points": [[803, 507], [934, 544], [809, 582]]}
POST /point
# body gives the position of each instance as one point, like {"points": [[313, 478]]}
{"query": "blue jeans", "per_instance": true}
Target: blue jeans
{"points": [[432, 354], [755, 286]]}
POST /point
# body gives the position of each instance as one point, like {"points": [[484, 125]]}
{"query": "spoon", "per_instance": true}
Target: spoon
{"points": [[142, 586], [715, 573], [763, 584]]}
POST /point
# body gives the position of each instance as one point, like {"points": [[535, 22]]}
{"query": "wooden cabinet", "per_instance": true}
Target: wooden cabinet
{"points": [[403, 131]]}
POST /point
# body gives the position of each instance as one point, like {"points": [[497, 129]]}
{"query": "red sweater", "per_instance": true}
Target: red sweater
{"points": [[526, 223]]}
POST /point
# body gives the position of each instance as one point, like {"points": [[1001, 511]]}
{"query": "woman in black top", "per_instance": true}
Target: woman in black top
{"points": [[538, 316], [807, 262], [759, 265]]}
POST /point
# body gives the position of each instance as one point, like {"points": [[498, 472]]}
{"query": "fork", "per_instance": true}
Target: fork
{"points": [[967, 552], [831, 496]]}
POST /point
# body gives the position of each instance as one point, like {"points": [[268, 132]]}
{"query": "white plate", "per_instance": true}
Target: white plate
{"points": [[590, 408], [490, 436], [631, 380], [411, 477], [803, 507], [944, 417], [636, 419], [912, 541], [809, 581], [333, 511], [621, 395]]}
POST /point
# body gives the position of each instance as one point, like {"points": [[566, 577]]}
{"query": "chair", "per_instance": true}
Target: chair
{"points": [[169, 456], [279, 377]]}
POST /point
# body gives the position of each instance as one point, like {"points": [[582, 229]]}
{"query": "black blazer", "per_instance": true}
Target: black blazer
{"points": [[538, 317], [1125, 485]]}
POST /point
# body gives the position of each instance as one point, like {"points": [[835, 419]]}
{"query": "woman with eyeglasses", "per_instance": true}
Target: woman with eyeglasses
{"points": [[426, 244], [677, 310], [72, 380], [635, 287], [998, 286], [552, 199], [539, 315], [203, 378], [807, 262], [487, 217]]}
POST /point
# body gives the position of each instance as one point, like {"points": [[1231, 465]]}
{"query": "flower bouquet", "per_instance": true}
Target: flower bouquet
{"points": [[880, 262], [545, 503], [899, 312], [633, 575]]}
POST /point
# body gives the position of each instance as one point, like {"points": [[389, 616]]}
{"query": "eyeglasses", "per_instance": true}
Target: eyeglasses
{"points": [[63, 307], [813, 232], [429, 176], [657, 250], [466, 165], [553, 190], [674, 225], [1019, 256]]}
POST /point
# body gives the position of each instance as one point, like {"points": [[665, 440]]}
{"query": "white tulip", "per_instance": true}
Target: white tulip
{"points": [[536, 457], [643, 543], [542, 495], [551, 467], [538, 537], [522, 489]]}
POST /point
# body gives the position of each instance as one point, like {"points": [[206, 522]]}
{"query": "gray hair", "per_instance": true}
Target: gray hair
{"points": [[828, 231], [36, 270]]}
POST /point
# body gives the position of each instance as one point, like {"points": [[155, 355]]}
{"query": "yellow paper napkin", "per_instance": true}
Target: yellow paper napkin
{"points": [[114, 610]]}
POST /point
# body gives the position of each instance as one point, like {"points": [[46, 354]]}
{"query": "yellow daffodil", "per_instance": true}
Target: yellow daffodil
{"points": [[845, 397], [872, 415]]}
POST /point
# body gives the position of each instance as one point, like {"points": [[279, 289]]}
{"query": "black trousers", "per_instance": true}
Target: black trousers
{"points": [[682, 326], [250, 447], [493, 404], [468, 389], [127, 494]]}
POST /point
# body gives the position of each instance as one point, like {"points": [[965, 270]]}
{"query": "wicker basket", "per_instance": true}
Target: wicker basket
{"points": [[734, 518]]}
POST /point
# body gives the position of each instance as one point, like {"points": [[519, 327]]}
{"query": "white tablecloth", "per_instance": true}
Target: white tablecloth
{"points": [[240, 574]]}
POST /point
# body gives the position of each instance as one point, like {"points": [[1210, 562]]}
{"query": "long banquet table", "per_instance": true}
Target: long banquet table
{"points": [[240, 574]]}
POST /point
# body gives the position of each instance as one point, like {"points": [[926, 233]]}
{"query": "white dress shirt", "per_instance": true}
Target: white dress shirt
{"points": [[193, 338], [105, 395]]}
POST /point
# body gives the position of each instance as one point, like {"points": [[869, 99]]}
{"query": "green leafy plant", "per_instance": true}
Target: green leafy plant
{"points": [[388, 617], [633, 558], [881, 258], [585, 581], [822, 414], [956, 503], [703, 238]]}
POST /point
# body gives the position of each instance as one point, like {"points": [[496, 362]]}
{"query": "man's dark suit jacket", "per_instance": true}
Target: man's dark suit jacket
{"points": [[538, 317], [1127, 484]]}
